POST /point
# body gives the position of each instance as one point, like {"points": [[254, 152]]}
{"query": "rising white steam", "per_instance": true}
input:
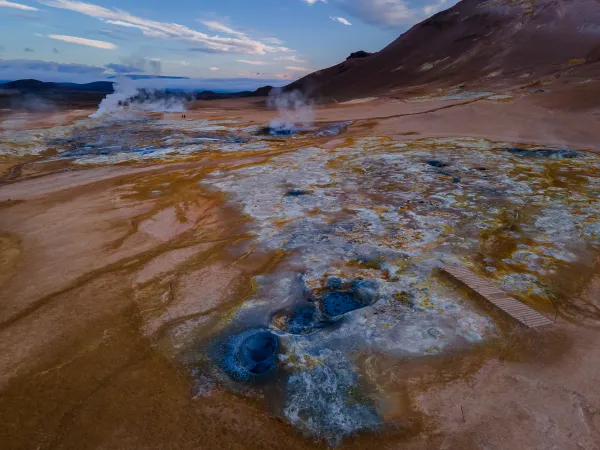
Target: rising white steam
{"points": [[129, 98], [295, 111]]}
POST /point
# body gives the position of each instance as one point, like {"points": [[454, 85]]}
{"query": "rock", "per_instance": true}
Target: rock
{"points": [[296, 193], [359, 54], [334, 283], [436, 163], [435, 333]]}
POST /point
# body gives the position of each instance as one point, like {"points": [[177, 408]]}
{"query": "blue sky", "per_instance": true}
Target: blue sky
{"points": [[246, 39]]}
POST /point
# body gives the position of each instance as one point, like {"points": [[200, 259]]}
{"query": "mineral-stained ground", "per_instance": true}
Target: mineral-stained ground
{"points": [[169, 283]]}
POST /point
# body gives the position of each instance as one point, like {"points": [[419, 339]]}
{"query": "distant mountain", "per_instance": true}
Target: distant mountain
{"points": [[262, 91], [27, 86], [504, 41], [35, 95], [96, 86], [150, 77], [106, 87], [210, 95]]}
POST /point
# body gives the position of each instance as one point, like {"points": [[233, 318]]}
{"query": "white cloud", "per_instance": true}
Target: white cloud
{"points": [[239, 43], [292, 58], [17, 6], [254, 63], [248, 83], [340, 20], [312, 2], [179, 62], [297, 69], [15, 69], [217, 26], [82, 41], [380, 12], [122, 68], [214, 68], [274, 41], [128, 25], [390, 13], [431, 9]]}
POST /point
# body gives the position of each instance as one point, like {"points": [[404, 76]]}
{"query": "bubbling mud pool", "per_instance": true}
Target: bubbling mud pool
{"points": [[359, 231]]}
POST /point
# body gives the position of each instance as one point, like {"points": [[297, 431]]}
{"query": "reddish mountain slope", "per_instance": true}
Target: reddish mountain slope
{"points": [[475, 41]]}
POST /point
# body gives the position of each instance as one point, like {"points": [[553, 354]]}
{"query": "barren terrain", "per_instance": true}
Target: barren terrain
{"points": [[134, 253]]}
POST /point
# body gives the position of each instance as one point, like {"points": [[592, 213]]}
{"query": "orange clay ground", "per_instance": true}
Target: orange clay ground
{"points": [[118, 272]]}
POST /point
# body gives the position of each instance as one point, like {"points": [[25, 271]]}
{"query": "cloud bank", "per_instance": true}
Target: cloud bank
{"points": [[6, 4], [217, 26], [386, 13], [122, 68], [16, 69], [237, 42], [82, 41]]}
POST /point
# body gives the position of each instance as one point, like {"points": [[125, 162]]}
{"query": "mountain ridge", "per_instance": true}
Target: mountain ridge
{"points": [[499, 41]]}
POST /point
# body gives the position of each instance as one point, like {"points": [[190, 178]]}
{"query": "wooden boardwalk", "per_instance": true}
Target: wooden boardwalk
{"points": [[517, 310]]}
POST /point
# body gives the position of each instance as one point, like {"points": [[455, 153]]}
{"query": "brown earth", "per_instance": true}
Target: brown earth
{"points": [[98, 275], [566, 113]]}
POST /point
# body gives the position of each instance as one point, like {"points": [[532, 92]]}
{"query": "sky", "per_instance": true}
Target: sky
{"points": [[247, 42]]}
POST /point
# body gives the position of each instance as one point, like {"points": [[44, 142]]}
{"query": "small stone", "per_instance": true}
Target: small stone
{"points": [[296, 193], [334, 283], [436, 163], [435, 333]]}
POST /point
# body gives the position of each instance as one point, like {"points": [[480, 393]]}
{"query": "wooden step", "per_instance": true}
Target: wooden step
{"points": [[522, 313]]}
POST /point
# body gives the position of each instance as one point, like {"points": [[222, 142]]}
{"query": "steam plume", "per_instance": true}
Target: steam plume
{"points": [[129, 98], [295, 111]]}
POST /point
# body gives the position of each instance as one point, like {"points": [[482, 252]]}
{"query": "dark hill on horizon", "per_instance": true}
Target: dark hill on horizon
{"points": [[35, 95], [29, 85], [501, 41]]}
